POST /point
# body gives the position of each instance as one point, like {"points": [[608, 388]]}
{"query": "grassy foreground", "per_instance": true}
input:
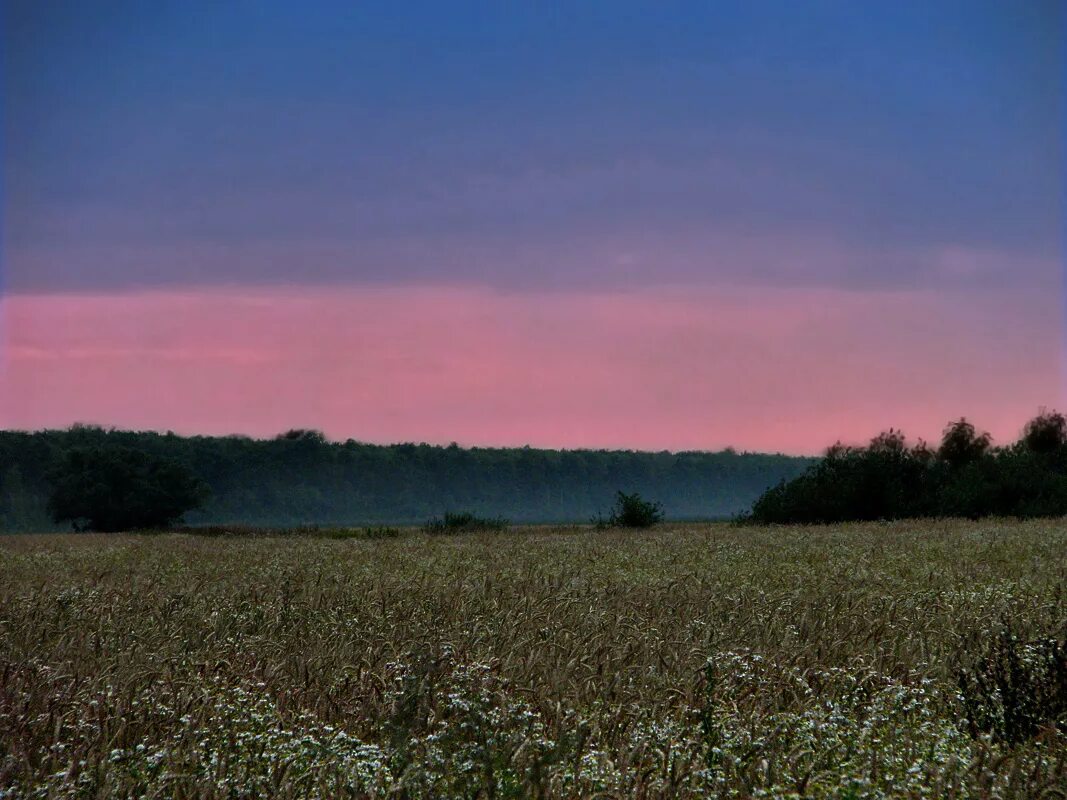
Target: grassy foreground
{"points": [[685, 662]]}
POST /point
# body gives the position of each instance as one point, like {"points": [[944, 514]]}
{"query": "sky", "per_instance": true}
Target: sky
{"points": [[766, 225]]}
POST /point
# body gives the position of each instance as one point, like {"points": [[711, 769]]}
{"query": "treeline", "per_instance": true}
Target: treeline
{"points": [[300, 477], [965, 476]]}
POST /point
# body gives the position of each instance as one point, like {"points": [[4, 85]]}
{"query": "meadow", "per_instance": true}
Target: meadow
{"points": [[685, 661]]}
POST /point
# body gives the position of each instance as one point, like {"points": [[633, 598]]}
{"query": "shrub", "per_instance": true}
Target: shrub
{"points": [[302, 531], [464, 522], [378, 532], [1015, 688], [121, 489], [223, 530], [631, 511]]}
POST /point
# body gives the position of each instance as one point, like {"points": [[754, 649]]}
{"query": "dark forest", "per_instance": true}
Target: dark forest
{"points": [[302, 478]]}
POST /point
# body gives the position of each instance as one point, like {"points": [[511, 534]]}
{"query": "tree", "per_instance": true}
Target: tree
{"points": [[887, 479], [967, 478], [113, 488], [16, 502], [961, 444], [1045, 433], [302, 478]]}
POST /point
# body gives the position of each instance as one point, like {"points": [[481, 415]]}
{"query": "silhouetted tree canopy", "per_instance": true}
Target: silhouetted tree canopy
{"points": [[120, 489], [961, 444], [966, 477], [1046, 433]]}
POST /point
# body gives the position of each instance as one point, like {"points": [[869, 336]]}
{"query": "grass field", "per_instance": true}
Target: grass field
{"points": [[684, 662]]}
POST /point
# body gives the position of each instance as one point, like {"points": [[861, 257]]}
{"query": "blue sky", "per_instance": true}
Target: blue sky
{"points": [[532, 145], [688, 225]]}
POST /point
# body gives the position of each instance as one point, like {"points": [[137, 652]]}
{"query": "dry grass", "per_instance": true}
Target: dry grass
{"points": [[688, 661]]}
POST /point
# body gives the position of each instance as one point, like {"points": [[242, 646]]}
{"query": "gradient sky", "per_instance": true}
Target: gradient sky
{"points": [[688, 225]]}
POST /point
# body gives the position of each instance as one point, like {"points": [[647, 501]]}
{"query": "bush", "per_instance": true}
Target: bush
{"points": [[464, 522], [299, 531], [375, 532], [1014, 689], [220, 531], [631, 511], [121, 489]]}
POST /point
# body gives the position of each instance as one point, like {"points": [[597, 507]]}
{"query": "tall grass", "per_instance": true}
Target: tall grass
{"points": [[685, 662]]}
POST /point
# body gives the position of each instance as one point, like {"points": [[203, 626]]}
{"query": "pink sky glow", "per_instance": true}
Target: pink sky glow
{"points": [[760, 369]]}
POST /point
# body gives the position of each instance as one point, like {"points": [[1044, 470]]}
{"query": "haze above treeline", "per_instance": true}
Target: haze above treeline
{"points": [[300, 477]]}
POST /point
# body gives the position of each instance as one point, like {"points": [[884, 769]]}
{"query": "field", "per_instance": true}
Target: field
{"points": [[684, 662]]}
